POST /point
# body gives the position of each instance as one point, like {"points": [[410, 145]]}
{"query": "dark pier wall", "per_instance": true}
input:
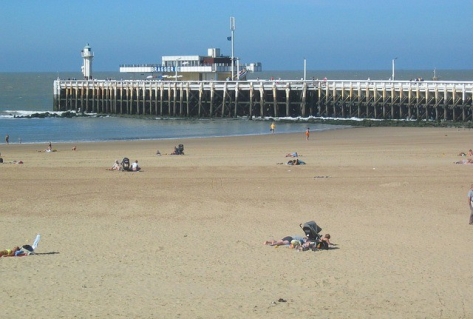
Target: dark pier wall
{"points": [[450, 101]]}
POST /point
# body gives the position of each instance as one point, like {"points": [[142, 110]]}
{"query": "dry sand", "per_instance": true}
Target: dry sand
{"points": [[184, 238]]}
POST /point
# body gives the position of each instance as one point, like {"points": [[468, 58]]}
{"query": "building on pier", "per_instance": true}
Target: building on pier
{"points": [[211, 67]]}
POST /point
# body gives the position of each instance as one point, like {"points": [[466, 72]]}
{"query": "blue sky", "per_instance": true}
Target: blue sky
{"points": [[48, 35]]}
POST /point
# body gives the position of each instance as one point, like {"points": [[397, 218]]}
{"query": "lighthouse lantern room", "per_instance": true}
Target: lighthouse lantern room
{"points": [[87, 56]]}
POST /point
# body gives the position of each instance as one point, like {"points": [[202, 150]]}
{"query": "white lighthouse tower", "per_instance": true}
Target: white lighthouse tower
{"points": [[87, 55]]}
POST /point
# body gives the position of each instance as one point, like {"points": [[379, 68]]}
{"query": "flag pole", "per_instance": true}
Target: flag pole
{"points": [[232, 28]]}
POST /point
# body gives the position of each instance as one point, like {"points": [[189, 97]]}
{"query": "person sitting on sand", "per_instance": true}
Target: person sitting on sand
{"points": [[178, 150], [469, 153], [135, 166], [284, 241], [115, 167], [324, 242]]}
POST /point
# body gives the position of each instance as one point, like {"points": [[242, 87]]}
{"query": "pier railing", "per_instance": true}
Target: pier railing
{"points": [[430, 100]]}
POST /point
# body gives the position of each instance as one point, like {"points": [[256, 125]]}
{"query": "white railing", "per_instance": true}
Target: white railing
{"points": [[330, 85]]}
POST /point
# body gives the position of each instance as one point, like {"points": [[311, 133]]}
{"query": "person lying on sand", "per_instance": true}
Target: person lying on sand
{"points": [[10, 252], [12, 162], [464, 161], [294, 154], [24, 250], [285, 241], [17, 251]]}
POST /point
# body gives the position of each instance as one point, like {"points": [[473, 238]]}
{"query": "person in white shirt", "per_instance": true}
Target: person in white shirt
{"points": [[135, 166]]}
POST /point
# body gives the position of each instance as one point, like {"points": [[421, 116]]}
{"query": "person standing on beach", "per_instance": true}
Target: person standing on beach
{"points": [[272, 127], [469, 196], [7, 139], [307, 133]]}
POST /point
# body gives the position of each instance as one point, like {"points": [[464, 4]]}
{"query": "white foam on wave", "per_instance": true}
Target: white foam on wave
{"points": [[322, 118]]}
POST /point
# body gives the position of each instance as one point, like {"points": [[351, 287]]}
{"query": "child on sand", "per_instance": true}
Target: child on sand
{"points": [[324, 242]]}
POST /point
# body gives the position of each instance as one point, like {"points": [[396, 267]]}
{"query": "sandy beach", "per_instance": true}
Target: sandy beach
{"points": [[184, 237]]}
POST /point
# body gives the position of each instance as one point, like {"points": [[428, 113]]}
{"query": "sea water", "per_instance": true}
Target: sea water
{"points": [[26, 93]]}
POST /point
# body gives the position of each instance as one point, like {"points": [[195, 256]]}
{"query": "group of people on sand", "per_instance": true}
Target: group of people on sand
{"points": [[301, 243], [466, 160], [295, 161], [117, 166]]}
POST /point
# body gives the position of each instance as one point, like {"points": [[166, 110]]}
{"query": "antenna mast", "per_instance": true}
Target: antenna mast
{"points": [[232, 28]]}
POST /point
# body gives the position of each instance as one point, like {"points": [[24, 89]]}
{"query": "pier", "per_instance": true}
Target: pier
{"points": [[421, 100]]}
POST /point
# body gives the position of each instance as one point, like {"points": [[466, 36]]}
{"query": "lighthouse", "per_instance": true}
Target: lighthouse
{"points": [[87, 55]]}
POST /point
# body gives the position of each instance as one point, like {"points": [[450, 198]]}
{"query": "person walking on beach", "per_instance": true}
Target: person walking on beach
{"points": [[307, 133], [469, 196], [272, 127], [7, 139]]}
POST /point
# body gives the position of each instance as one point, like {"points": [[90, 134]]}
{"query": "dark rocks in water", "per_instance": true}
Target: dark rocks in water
{"points": [[66, 114]]}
